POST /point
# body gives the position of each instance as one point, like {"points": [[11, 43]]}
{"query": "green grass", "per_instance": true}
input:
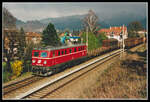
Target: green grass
{"points": [[26, 74], [6, 76]]}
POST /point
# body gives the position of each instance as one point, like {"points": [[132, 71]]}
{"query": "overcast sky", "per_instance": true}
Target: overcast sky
{"points": [[36, 11]]}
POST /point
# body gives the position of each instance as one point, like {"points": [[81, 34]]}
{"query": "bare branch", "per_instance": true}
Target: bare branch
{"points": [[90, 21]]}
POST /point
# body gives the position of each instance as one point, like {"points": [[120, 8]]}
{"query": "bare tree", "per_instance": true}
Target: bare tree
{"points": [[9, 21], [90, 21]]}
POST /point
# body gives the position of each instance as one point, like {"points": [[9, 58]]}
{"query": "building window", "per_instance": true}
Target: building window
{"points": [[112, 34]]}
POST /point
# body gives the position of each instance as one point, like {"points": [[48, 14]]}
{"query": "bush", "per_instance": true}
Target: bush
{"points": [[4, 66], [93, 42], [101, 37], [16, 68], [6, 76], [27, 66]]}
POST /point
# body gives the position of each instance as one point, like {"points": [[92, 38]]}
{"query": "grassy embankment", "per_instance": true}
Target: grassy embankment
{"points": [[124, 79], [8, 76]]}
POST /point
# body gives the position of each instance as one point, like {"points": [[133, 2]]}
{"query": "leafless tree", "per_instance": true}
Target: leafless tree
{"points": [[9, 21], [90, 21]]}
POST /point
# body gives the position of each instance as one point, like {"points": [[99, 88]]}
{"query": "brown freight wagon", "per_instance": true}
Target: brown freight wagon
{"points": [[131, 42], [110, 43]]}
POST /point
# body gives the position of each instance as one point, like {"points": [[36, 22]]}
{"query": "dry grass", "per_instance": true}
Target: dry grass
{"points": [[123, 79]]}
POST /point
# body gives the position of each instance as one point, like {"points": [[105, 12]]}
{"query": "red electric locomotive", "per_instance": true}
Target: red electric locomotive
{"points": [[45, 60]]}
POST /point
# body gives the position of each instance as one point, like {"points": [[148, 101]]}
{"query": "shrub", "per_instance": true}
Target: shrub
{"points": [[17, 67], [93, 42], [6, 76], [4, 66]]}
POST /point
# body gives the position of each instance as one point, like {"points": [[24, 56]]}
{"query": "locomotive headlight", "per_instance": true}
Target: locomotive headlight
{"points": [[45, 62], [39, 61], [33, 61]]}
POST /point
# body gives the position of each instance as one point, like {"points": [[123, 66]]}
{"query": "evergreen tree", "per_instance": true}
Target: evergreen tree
{"points": [[22, 43], [50, 36], [28, 55], [93, 42], [101, 37]]}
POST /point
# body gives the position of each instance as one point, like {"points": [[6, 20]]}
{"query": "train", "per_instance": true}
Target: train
{"points": [[135, 42], [45, 60]]}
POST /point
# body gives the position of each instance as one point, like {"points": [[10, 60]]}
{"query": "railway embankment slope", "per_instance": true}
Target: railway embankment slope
{"points": [[126, 78]]}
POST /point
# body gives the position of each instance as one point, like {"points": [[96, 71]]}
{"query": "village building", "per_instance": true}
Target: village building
{"points": [[34, 37], [142, 33], [8, 35], [68, 39], [115, 32]]}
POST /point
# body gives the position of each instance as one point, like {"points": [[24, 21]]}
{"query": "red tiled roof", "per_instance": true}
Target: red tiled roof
{"points": [[62, 34], [116, 30], [33, 34]]}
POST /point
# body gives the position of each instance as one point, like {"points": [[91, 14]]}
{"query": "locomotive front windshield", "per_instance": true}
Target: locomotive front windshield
{"points": [[43, 54], [36, 54]]}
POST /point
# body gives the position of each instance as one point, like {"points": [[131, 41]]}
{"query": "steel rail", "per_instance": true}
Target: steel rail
{"points": [[17, 82], [21, 96], [16, 85], [94, 66]]}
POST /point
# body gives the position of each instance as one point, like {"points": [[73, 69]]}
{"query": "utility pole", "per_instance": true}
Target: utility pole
{"points": [[123, 39], [122, 45], [87, 38]]}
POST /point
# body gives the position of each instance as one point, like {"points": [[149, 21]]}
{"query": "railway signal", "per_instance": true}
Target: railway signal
{"points": [[122, 45]]}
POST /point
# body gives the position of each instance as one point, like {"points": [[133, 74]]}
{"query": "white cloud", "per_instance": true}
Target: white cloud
{"points": [[31, 11]]}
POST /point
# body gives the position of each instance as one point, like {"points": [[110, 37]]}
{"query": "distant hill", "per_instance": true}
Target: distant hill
{"points": [[31, 26], [120, 18], [71, 22], [75, 22]]}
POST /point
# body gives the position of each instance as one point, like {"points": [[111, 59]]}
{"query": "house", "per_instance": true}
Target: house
{"points": [[68, 39], [142, 33], [33, 36], [115, 32], [9, 40]]}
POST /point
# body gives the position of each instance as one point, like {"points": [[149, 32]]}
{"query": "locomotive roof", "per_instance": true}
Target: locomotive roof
{"points": [[59, 47]]}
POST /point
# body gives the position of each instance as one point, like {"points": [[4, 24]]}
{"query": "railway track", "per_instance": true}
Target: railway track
{"points": [[19, 84], [19, 87], [42, 91]]}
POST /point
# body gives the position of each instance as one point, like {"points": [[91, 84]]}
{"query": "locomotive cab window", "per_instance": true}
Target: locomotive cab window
{"points": [[65, 51], [44, 54], [36, 54], [58, 53], [75, 50], [62, 52], [53, 53], [79, 48], [70, 50]]}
